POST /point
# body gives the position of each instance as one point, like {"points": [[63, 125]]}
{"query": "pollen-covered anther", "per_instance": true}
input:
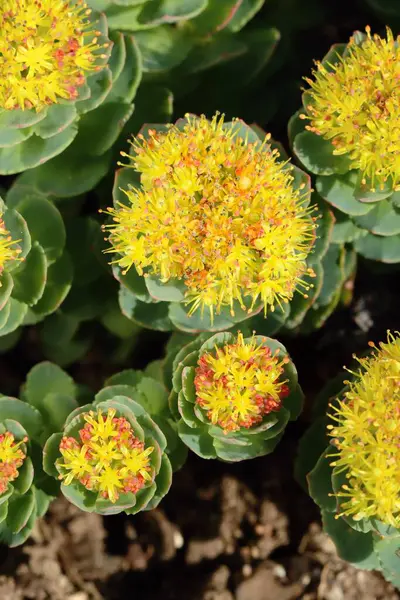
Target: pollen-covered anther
{"points": [[45, 48], [355, 103], [216, 212], [109, 459], [11, 459], [238, 384], [365, 434]]}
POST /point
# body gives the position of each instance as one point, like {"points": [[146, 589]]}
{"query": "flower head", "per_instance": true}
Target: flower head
{"points": [[46, 48], [108, 459], [216, 212], [11, 458], [8, 247], [239, 384], [355, 103], [367, 437]]}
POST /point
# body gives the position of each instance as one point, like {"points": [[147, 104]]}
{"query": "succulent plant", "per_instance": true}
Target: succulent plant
{"points": [[64, 99], [349, 461], [210, 261], [25, 490], [347, 134], [117, 454], [232, 396], [36, 271]]}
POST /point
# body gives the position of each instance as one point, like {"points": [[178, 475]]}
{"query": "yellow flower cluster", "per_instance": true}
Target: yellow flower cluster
{"points": [[46, 47], [109, 460], [216, 212], [367, 437], [355, 103], [239, 384], [11, 458], [9, 250]]}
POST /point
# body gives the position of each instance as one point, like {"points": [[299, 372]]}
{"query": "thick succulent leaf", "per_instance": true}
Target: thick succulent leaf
{"points": [[383, 249], [59, 281], [233, 453], [245, 11], [154, 396], [345, 230], [352, 546], [20, 509], [127, 377], [42, 502], [5, 313], [82, 240], [188, 387], [13, 137], [133, 282], [3, 511], [45, 225], [186, 411], [109, 392], [151, 316], [18, 229], [19, 119], [163, 48], [198, 440], [51, 452], [388, 555], [15, 317], [6, 288], [46, 378], [143, 497], [302, 301], [100, 84], [172, 291], [58, 118], [316, 155], [70, 175], [383, 219], [35, 151], [198, 322], [30, 278], [95, 140], [25, 477], [311, 446], [320, 482], [126, 84], [163, 482], [16, 539], [212, 52], [79, 496], [339, 190], [56, 407]]}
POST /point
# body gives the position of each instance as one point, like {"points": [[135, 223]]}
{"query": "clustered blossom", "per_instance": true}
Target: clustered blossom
{"points": [[367, 437], [46, 48], [9, 250], [355, 103], [11, 458], [109, 459], [216, 212], [239, 384]]}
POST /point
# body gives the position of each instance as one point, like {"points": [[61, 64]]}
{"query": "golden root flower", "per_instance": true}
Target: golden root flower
{"points": [[109, 459], [239, 384], [367, 437], [216, 212], [11, 458], [46, 49], [355, 103]]}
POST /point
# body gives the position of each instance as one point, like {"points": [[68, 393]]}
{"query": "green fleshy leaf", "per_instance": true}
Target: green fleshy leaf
{"points": [[59, 281], [134, 282], [5, 313], [45, 225], [244, 12], [173, 291], [155, 396], [152, 316], [100, 84], [83, 236], [127, 377], [163, 482], [163, 48], [19, 119], [325, 224], [20, 509], [198, 440], [6, 288], [26, 415], [79, 496], [212, 52], [25, 477], [383, 219], [388, 554], [13, 137], [30, 278], [219, 340], [316, 155], [310, 448], [118, 54], [344, 229], [56, 407], [186, 411], [46, 378], [3, 511], [58, 118], [188, 388], [125, 86], [51, 453], [42, 502], [233, 453], [339, 191], [383, 249], [15, 317], [173, 405], [143, 497], [35, 151], [16, 539], [18, 229], [96, 141], [320, 482], [352, 546]]}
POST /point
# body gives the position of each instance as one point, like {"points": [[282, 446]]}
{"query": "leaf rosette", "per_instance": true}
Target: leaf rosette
{"points": [[232, 396], [118, 453], [347, 134], [348, 461]]}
